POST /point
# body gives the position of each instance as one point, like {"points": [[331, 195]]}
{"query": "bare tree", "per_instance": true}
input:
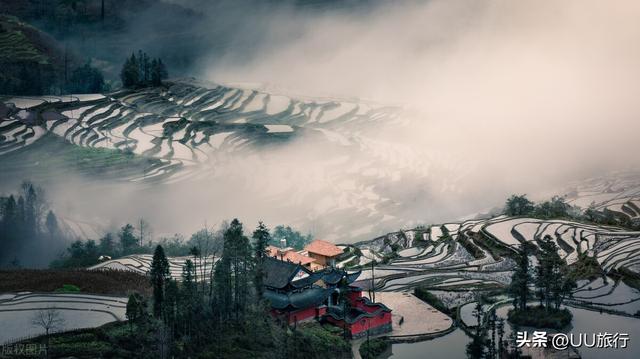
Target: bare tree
{"points": [[50, 320], [144, 229], [207, 245]]}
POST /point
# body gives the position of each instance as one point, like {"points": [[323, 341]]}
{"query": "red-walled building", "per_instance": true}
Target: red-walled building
{"points": [[362, 315], [297, 294]]}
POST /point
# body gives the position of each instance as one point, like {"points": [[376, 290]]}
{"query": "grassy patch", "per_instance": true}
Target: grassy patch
{"points": [[16, 46], [98, 282], [68, 288], [629, 277], [585, 268], [540, 317], [431, 299], [52, 157], [373, 348], [476, 252]]}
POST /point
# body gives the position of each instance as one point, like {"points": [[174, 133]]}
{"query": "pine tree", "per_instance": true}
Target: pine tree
{"points": [[158, 72], [261, 239], [520, 280], [159, 274], [52, 224], [130, 74], [172, 306], [127, 240], [132, 310]]}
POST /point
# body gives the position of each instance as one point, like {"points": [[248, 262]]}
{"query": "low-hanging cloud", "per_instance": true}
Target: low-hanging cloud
{"points": [[497, 97], [529, 90]]}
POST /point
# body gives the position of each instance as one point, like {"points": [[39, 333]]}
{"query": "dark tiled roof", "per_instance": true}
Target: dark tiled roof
{"points": [[351, 277], [277, 273], [309, 280], [311, 297]]}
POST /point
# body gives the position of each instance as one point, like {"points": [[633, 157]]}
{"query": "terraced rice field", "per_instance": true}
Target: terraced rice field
{"points": [[141, 264], [445, 267], [77, 310], [185, 125], [617, 194], [190, 132]]}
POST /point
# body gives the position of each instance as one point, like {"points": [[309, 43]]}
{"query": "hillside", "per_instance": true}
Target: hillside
{"points": [[32, 62]]}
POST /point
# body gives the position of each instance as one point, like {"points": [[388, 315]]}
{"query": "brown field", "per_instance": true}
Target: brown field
{"points": [[95, 282]]}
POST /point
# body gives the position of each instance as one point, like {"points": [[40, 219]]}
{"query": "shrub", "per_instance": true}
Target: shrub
{"points": [[373, 348], [431, 299], [540, 317], [68, 288]]}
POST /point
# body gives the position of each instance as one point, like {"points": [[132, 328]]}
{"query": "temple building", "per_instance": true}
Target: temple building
{"points": [[297, 294]]}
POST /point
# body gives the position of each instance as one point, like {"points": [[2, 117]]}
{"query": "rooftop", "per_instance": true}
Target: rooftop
{"points": [[323, 248], [289, 254]]}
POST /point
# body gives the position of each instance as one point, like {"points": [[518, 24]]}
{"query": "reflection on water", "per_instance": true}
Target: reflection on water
{"points": [[585, 321], [452, 345]]}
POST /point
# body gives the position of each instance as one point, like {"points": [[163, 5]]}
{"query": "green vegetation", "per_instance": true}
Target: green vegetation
{"points": [[51, 157], [518, 205], [371, 349], [16, 46], [556, 207], [520, 280], [310, 340], [101, 160], [27, 226], [553, 284], [426, 296], [541, 317], [487, 339], [476, 252], [629, 277], [495, 248], [33, 63], [82, 254], [97, 282], [86, 79], [176, 319], [68, 288], [294, 239], [140, 72], [585, 268]]}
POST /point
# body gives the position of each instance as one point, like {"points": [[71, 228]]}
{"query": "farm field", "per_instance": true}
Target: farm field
{"points": [[77, 311]]}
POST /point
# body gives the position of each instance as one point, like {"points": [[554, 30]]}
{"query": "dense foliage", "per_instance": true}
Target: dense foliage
{"points": [[294, 239], [140, 71], [371, 349], [228, 302], [97, 282], [27, 226], [553, 283], [425, 295], [541, 317], [86, 79]]}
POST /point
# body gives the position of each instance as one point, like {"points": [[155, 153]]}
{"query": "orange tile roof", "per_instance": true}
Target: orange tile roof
{"points": [[323, 248], [290, 255]]}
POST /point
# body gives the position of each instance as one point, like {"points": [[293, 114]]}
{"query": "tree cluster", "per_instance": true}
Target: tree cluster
{"points": [[142, 71], [86, 79], [128, 240], [226, 299], [556, 207], [552, 282], [28, 229], [294, 238]]}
